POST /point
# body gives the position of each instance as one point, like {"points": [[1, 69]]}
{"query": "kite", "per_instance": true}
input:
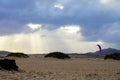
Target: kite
{"points": [[100, 48]]}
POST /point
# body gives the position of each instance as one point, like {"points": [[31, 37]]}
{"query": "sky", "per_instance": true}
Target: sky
{"points": [[71, 26]]}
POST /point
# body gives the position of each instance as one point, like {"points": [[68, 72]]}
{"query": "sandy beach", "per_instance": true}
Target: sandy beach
{"points": [[38, 68]]}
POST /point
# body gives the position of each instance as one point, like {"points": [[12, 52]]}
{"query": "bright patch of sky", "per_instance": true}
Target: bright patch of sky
{"points": [[65, 38], [34, 26], [59, 6]]}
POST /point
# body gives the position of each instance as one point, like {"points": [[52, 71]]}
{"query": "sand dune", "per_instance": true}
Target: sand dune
{"points": [[70, 69]]}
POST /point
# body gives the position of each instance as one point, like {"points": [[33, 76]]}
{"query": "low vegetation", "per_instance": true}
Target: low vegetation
{"points": [[8, 64], [58, 55], [17, 55], [115, 56]]}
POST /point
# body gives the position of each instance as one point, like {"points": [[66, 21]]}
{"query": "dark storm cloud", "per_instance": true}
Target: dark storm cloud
{"points": [[11, 27], [75, 12]]}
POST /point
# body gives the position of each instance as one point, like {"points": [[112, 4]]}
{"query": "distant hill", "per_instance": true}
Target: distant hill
{"points": [[95, 54], [89, 54], [4, 53], [104, 52]]}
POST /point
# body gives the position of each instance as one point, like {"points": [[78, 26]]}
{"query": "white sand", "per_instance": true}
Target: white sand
{"points": [[71, 69]]}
